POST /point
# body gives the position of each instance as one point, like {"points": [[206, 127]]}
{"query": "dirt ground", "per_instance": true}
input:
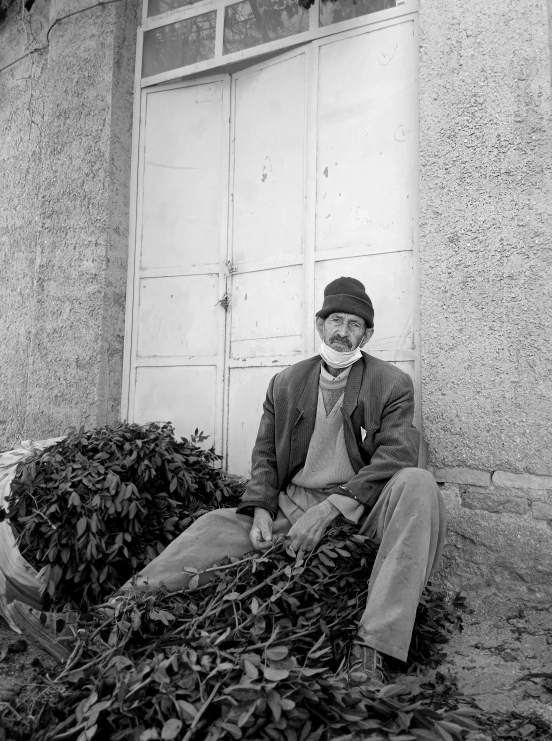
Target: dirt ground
{"points": [[19, 667], [502, 659]]}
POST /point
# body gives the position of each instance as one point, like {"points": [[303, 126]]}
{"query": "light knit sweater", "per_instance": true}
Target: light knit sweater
{"points": [[327, 464]]}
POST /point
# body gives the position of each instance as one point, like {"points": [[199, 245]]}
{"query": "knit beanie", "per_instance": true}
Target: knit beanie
{"points": [[349, 296]]}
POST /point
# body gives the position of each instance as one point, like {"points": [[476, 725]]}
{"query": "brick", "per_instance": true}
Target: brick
{"points": [[521, 480], [492, 501], [461, 475], [542, 510]]}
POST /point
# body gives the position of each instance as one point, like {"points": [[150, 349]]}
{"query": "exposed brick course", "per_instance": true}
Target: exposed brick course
{"points": [[542, 510], [493, 501], [521, 480], [460, 475]]}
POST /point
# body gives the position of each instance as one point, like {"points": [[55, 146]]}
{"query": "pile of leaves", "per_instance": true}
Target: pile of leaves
{"points": [[259, 652], [99, 506]]}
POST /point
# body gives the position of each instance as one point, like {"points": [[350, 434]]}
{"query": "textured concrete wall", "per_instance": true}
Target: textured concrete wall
{"points": [[65, 137], [486, 233], [486, 277]]}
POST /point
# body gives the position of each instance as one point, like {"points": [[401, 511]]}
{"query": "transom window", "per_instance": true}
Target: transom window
{"points": [[183, 37]]}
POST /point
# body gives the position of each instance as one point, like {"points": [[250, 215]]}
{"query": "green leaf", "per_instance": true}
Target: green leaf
{"points": [[277, 653], [251, 670], [275, 703], [75, 500], [171, 729], [232, 729], [81, 525], [187, 710], [163, 615], [275, 675], [88, 733], [149, 735]]}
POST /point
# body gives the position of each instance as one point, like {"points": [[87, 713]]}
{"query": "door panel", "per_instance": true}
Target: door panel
{"points": [[266, 314], [267, 220], [365, 141], [268, 156], [179, 324], [183, 176], [247, 392], [179, 315], [388, 281], [183, 395]]}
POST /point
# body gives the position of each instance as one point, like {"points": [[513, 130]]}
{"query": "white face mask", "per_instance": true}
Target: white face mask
{"points": [[338, 359]]}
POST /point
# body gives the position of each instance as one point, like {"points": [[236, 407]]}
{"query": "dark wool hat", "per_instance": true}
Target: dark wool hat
{"points": [[347, 295]]}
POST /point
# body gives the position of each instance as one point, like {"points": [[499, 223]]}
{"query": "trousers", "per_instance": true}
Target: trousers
{"points": [[408, 522]]}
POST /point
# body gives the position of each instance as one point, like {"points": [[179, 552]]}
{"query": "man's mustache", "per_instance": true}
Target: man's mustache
{"points": [[343, 340]]}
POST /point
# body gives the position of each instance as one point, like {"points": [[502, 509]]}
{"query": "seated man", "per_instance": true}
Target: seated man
{"points": [[336, 438]]}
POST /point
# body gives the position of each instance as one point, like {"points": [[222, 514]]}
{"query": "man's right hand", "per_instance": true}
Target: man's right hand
{"points": [[261, 530]]}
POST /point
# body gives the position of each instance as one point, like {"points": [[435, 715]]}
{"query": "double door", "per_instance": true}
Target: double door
{"points": [[256, 189]]}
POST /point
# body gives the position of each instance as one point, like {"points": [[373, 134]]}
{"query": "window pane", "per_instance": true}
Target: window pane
{"points": [[334, 11], [255, 22], [179, 44], [155, 7]]}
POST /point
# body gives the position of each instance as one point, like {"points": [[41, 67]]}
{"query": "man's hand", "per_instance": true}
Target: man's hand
{"points": [[261, 530], [311, 526]]}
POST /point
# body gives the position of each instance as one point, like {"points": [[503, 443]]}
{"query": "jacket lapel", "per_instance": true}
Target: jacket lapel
{"points": [[352, 389], [304, 421], [350, 403]]}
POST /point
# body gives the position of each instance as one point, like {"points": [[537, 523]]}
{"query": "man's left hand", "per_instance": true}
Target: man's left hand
{"points": [[311, 526]]}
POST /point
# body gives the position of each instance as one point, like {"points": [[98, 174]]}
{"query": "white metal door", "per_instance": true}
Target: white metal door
{"points": [[323, 183], [366, 180], [267, 228], [177, 361]]}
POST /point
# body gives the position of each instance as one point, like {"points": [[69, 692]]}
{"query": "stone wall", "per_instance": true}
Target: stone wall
{"points": [[486, 283], [66, 86]]}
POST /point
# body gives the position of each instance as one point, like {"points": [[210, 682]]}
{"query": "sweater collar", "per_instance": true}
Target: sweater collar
{"points": [[327, 376]]}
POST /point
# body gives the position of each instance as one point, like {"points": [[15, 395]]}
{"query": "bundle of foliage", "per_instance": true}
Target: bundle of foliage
{"points": [[259, 652], [92, 510]]}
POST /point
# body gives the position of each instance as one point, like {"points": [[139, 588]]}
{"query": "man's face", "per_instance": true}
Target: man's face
{"points": [[343, 332]]}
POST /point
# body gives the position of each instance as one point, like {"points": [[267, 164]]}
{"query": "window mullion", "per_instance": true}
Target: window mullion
{"points": [[219, 38], [314, 15]]}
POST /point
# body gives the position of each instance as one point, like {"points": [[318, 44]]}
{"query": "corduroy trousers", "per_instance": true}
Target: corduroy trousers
{"points": [[408, 522]]}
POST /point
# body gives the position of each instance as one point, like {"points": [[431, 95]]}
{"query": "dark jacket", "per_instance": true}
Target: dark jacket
{"points": [[378, 397]]}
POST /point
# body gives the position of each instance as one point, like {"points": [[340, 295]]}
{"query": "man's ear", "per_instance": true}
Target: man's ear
{"points": [[367, 336], [320, 327]]}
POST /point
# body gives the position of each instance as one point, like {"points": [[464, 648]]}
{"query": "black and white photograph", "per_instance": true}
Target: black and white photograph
{"points": [[275, 370]]}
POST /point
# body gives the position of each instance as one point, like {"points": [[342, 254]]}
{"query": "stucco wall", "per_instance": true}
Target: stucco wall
{"points": [[486, 233], [65, 137], [486, 281]]}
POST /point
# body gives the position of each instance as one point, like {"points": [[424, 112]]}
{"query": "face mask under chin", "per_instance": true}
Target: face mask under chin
{"points": [[337, 359]]}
